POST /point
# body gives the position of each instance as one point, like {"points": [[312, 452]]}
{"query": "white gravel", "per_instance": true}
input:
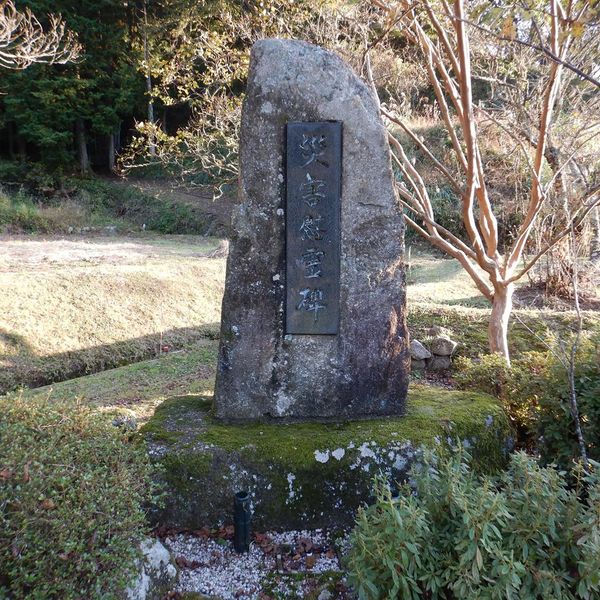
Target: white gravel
{"points": [[213, 568]]}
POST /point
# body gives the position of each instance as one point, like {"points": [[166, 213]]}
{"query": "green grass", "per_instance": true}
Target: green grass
{"points": [[439, 280], [73, 307], [529, 330], [439, 292], [139, 388], [75, 204]]}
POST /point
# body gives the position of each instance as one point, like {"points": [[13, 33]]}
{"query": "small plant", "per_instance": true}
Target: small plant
{"points": [[453, 534], [72, 487], [19, 212]]}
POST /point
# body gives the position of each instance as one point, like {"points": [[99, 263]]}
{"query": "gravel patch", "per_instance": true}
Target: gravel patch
{"points": [[288, 564]]}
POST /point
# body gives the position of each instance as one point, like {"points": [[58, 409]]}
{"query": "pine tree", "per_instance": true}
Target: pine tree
{"points": [[56, 110]]}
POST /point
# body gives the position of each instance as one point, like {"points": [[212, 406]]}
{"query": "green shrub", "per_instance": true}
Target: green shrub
{"points": [[99, 199], [72, 488], [519, 387], [522, 535], [34, 176], [534, 392], [558, 441], [446, 208]]}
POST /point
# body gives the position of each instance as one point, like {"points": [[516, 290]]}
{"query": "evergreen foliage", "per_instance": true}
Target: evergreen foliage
{"points": [[44, 104], [453, 534], [71, 496]]}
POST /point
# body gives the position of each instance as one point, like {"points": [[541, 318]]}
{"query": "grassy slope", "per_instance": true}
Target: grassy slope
{"points": [[438, 293], [139, 388], [95, 203], [441, 293], [79, 316], [116, 304]]}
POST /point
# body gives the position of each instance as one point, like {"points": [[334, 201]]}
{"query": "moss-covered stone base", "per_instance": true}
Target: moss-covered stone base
{"points": [[308, 474]]}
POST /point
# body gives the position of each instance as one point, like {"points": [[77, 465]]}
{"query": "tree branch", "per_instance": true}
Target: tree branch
{"points": [[546, 51]]}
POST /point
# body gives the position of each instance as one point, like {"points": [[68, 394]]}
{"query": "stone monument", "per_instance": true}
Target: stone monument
{"points": [[313, 321]]}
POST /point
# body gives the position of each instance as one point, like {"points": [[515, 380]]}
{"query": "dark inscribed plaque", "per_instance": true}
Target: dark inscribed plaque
{"points": [[313, 192]]}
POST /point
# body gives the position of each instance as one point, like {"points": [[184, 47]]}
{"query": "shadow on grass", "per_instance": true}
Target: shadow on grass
{"points": [[22, 367], [477, 301]]}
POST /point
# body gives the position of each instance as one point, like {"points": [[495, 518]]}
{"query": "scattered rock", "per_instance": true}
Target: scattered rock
{"points": [[215, 570], [418, 352], [125, 422], [156, 575], [439, 363], [436, 330], [443, 346], [418, 365]]}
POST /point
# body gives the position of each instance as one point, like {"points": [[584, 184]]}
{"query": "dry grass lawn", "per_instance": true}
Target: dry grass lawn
{"points": [[74, 306]]}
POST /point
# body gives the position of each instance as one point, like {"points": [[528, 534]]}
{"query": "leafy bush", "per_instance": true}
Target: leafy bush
{"points": [[519, 387], [156, 213], [34, 176], [523, 534], [71, 496], [446, 207], [558, 442], [534, 391]]}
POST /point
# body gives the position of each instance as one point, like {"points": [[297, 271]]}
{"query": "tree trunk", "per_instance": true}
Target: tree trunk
{"points": [[21, 147], [595, 242], [11, 140], [111, 152], [498, 328], [82, 153], [152, 146]]}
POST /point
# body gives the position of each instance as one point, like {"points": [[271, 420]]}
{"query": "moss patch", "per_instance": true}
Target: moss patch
{"points": [[309, 474], [139, 388]]}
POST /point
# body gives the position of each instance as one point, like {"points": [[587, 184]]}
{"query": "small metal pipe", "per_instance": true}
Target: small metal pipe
{"points": [[241, 522]]}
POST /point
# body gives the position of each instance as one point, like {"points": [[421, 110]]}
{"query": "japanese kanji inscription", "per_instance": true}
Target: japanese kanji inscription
{"points": [[313, 194]]}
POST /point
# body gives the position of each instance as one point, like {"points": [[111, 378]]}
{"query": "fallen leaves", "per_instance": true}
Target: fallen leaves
{"points": [[47, 504], [6, 473], [183, 563]]}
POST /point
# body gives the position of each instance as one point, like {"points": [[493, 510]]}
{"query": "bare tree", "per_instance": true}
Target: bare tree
{"points": [[24, 40], [440, 30]]}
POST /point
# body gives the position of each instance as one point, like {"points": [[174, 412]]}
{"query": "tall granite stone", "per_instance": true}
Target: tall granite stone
{"points": [[361, 370]]}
